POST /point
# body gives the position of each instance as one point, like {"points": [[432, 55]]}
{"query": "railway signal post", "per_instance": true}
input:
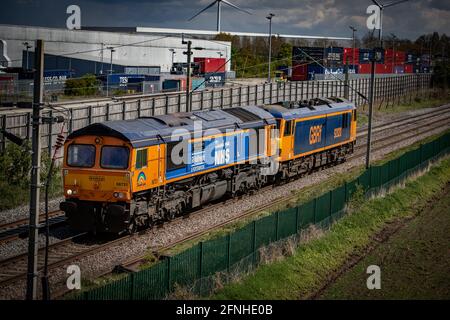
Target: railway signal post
{"points": [[32, 270], [189, 53], [375, 56], [369, 128], [188, 76]]}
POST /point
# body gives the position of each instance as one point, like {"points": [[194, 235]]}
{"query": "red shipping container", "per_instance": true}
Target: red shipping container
{"points": [[409, 68], [208, 65], [352, 58], [364, 68], [400, 56], [388, 68], [381, 68], [299, 72], [388, 53]]}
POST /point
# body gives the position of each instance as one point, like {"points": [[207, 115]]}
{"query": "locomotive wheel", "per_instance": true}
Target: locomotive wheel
{"points": [[132, 227], [179, 209]]}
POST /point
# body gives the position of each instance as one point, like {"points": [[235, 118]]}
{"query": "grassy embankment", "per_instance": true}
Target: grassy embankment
{"points": [[320, 260], [414, 262]]}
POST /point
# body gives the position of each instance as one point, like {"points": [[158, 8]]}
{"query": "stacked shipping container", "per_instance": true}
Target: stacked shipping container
{"points": [[213, 69], [310, 61]]}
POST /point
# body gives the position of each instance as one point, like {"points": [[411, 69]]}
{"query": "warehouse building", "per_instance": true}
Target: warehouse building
{"points": [[88, 51]]}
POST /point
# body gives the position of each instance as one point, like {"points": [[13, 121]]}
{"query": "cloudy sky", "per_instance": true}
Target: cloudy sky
{"points": [[311, 17]]}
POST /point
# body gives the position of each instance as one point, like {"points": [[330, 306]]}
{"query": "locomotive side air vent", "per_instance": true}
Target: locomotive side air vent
{"points": [[242, 114]]}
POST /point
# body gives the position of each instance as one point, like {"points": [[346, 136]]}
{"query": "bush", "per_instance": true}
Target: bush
{"points": [[15, 176], [87, 85]]}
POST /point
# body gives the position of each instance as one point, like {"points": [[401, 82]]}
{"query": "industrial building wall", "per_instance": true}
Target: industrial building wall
{"points": [[146, 50]]}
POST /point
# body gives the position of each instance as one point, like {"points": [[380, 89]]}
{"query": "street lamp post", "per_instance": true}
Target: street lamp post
{"points": [[27, 47], [111, 63], [110, 70], [353, 43], [101, 68], [393, 52], [269, 17], [372, 75], [173, 54]]}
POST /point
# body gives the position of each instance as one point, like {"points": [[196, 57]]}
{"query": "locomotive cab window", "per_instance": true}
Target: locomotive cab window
{"points": [[114, 157], [345, 118], [141, 158], [81, 155], [354, 115], [288, 127]]}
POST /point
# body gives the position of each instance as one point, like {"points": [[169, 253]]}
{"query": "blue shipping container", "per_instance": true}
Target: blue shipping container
{"points": [[366, 54], [215, 79], [341, 70], [123, 79], [334, 54], [307, 54], [198, 84], [56, 76], [410, 58], [172, 85], [313, 69]]}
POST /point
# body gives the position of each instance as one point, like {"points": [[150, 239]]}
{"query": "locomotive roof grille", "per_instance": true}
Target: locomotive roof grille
{"points": [[242, 114]]}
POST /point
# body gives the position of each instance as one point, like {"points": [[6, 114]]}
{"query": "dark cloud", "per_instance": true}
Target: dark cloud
{"points": [[312, 17]]}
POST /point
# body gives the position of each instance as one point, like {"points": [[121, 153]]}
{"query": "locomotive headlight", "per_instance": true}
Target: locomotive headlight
{"points": [[69, 192], [118, 195]]}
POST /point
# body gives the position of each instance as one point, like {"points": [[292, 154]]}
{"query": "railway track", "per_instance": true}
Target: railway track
{"points": [[19, 228], [60, 253], [67, 250], [393, 140], [403, 121]]}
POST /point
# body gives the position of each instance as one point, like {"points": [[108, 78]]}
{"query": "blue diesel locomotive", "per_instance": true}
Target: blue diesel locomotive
{"points": [[123, 175]]}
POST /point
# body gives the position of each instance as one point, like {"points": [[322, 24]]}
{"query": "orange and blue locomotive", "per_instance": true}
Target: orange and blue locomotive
{"points": [[123, 175]]}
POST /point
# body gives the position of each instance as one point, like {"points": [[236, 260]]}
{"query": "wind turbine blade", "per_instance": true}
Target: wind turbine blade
{"points": [[393, 3], [377, 3], [201, 11], [234, 6]]}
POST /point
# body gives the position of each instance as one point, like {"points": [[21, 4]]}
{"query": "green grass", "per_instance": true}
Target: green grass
{"points": [[414, 262], [15, 167], [302, 274], [361, 119]]}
